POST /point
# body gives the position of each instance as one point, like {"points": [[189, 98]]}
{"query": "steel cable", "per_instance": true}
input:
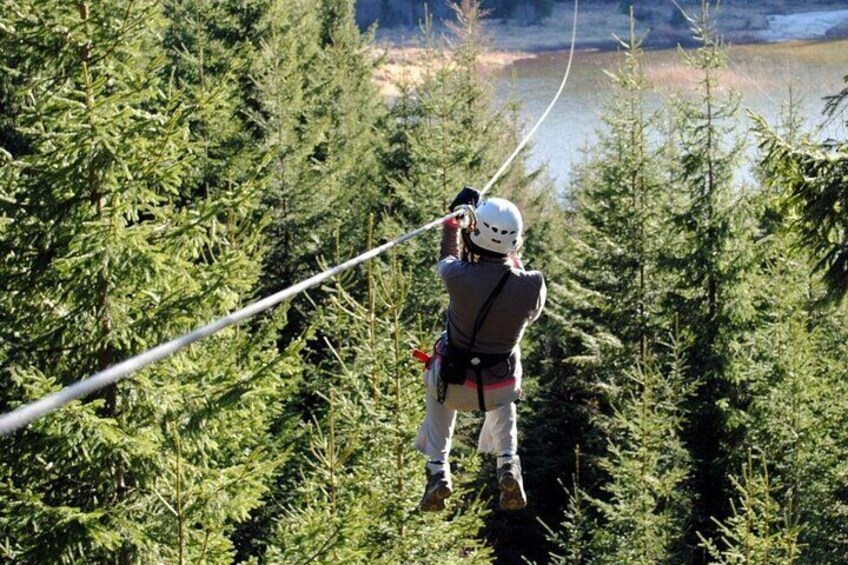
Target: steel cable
{"points": [[27, 413]]}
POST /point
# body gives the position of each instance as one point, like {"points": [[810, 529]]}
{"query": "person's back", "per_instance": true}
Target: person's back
{"points": [[470, 284]]}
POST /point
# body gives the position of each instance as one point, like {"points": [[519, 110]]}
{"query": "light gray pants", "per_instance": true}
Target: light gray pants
{"points": [[499, 434]]}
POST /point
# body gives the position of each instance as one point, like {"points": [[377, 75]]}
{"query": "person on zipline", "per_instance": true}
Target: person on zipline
{"points": [[476, 364]]}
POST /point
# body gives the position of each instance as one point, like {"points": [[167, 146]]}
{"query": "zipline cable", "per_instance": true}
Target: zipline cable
{"points": [[547, 111], [27, 413]]}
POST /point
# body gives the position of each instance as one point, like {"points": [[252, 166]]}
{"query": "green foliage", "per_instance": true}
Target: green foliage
{"points": [[572, 540], [108, 251], [788, 365], [760, 349], [708, 159], [711, 258], [619, 225], [208, 51], [162, 163], [640, 515], [288, 58], [756, 531], [814, 177], [316, 117], [795, 408], [646, 506], [362, 483], [636, 507]]}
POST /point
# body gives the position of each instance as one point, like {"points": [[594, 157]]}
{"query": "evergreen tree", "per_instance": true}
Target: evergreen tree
{"points": [[756, 531], [786, 363], [544, 449], [284, 71], [316, 117], [645, 507], [572, 541], [208, 49], [620, 233], [641, 514], [105, 254], [795, 400], [11, 139], [711, 258], [605, 297], [812, 174]]}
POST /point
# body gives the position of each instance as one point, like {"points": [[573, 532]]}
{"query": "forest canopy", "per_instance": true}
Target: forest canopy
{"points": [[164, 163]]}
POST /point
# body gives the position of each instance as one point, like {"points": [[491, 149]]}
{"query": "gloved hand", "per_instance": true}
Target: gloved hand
{"points": [[467, 218], [468, 195]]}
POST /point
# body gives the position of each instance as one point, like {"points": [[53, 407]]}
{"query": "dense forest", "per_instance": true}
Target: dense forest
{"points": [[163, 163], [411, 12]]}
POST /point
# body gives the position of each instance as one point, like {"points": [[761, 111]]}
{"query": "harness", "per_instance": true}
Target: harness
{"points": [[467, 358]]}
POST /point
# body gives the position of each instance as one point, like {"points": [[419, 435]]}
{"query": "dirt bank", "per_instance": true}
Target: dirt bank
{"points": [[408, 65]]}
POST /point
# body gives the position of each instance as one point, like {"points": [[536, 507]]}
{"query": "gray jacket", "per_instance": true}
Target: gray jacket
{"points": [[470, 284]]}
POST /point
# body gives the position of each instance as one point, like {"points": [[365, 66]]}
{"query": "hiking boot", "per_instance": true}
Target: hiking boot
{"points": [[512, 486], [438, 489]]}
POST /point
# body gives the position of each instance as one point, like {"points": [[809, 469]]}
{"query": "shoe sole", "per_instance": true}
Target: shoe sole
{"points": [[435, 501], [512, 495]]}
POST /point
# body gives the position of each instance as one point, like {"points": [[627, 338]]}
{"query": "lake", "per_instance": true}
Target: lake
{"points": [[761, 73]]}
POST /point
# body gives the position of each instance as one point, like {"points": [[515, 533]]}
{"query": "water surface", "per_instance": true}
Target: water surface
{"points": [[762, 74]]}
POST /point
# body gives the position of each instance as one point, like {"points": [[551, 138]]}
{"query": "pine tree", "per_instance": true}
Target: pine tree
{"points": [[756, 531], [618, 200], [285, 70], [789, 377], [604, 293], [572, 541], [645, 506], [812, 174], [711, 258], [786, 363], [107, 252], [350, 108], [11, 140], [316, 118], [208, 47]]}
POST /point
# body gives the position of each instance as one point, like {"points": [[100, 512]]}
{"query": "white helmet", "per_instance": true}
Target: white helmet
{"points": [[498, 227]]}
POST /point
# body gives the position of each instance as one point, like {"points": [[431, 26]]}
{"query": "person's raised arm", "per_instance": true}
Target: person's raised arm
{"points": [[467, 198]]}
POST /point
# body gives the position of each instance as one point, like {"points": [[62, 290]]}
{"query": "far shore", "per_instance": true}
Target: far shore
{"points": [[600, 24], [404, 60]]}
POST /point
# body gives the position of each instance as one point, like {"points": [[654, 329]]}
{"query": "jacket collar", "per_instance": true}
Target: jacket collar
{"points": [[486, 260]]}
